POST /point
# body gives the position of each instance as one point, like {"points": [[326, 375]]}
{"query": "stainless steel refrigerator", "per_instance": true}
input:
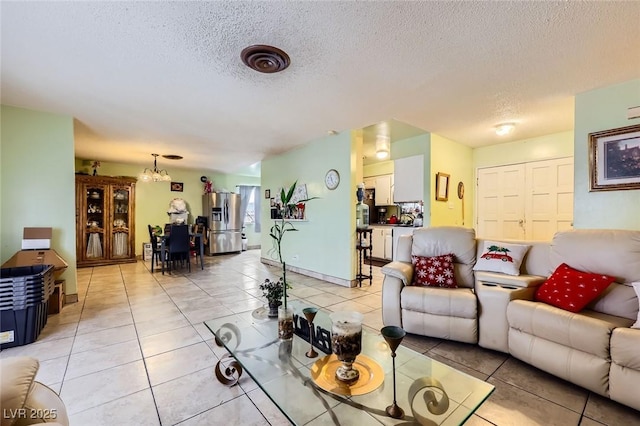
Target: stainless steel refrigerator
{"points": [[225, 223]]}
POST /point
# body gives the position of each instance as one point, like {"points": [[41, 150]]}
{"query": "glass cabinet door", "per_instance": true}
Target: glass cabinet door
{"points": [[96, 220], [121, 224], [105, 220]]}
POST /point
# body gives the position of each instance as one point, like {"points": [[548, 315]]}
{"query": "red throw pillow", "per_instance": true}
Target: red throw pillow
{"points": [[434, 271], [570, 289]]}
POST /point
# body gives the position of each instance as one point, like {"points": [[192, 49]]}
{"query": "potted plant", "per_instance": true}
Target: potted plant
{"points": [[273, 291], [277, 232]]}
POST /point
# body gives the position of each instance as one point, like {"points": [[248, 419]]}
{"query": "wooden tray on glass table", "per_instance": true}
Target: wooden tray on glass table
{"points": [[323, 373]]}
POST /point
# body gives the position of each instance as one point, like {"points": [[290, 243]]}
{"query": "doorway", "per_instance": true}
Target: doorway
{"points": [[528, 201]]}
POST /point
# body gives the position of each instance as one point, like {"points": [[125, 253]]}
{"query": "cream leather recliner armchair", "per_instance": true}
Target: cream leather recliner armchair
{"points": [[432, 311], [25, 401]]}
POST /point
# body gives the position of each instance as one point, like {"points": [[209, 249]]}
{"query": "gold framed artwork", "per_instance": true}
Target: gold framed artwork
{"points": [[442, 187], [614, 159]]}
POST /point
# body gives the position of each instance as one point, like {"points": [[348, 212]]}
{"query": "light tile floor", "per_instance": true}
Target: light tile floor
{"points": [[134, 351]]}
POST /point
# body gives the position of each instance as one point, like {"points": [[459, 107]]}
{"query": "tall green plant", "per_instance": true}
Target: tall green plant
{"points": [[281, 227]]}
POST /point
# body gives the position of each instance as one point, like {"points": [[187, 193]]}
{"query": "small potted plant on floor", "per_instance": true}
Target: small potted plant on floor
{"points": [[273, 291]]}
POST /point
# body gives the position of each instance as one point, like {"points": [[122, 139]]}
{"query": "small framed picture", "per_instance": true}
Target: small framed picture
{"points": [[267, 194], [614, 159], [177, 186], [442, 187]]}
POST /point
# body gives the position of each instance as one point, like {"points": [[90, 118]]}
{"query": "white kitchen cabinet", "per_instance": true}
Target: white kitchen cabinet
{"points": [[369, 182], [377, 243], [398, 231], [408, 179], [384, 190], [382, 242], [388, 244]]}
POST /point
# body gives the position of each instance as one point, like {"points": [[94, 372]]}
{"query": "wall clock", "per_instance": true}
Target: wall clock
{"points": [[461, 196], [332, 179], [460, 190]]}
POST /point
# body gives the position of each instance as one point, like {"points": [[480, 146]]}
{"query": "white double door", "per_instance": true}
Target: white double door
{"points": [[528, 201]]}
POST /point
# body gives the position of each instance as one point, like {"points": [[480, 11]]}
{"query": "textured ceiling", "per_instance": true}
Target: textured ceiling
{"points": [[166, 77]]}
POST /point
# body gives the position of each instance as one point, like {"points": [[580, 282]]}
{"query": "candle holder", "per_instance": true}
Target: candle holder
{"points": [[393, 336], [346, 343], [310, 314]]}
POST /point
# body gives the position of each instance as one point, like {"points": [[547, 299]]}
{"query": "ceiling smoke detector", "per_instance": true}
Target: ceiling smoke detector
{"points": [[266, 59]]}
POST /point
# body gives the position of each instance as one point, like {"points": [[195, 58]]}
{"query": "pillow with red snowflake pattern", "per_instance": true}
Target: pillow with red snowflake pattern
{"points": [[570, 289], [434, 271]]}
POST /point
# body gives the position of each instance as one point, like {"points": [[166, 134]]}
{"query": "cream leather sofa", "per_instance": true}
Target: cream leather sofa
{"points": [[25, 401], [594, 348]]}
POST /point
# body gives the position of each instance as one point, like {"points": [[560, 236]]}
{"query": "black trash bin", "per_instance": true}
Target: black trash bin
{"points": [[24, 299]]}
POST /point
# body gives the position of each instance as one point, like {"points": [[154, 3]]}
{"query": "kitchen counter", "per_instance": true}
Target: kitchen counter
{"points": [[385, 244]]}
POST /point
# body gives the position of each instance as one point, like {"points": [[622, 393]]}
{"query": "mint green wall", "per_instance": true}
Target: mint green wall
{"points": [[596, 110], [153, 198], [324, 244], [456, 160], [415, 146], [555, 145], [37, 183], [380, 168]]}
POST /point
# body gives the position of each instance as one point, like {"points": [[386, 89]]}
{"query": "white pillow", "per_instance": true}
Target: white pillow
{"points": [[636, 287], [501, 257]]}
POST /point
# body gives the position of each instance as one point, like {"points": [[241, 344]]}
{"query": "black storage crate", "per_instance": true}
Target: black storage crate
{"points": [[24, 300]]}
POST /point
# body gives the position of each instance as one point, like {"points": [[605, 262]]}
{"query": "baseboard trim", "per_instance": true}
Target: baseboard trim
{"points": [[313, 274], [70, 298]]}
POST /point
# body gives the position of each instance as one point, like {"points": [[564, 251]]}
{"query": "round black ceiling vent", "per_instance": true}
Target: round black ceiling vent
{"points": [[263, 58], [173, 157]]}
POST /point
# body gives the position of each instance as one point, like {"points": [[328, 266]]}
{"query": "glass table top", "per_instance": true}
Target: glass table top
{"points": [[284, 373]]}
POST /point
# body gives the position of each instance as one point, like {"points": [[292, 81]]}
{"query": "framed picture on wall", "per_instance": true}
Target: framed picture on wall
{"points": [[442, 187], [177, 186], [614, 159]]}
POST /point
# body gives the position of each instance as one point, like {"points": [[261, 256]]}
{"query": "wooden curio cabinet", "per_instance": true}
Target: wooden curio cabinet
{"points": [[105, 227]]}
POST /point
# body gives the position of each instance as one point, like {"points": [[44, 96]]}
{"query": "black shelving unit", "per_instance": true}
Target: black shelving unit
{"points": [[363, 247]]}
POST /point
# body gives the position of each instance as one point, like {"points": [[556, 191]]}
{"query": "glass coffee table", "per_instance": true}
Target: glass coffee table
{"points": [[295, 383]]}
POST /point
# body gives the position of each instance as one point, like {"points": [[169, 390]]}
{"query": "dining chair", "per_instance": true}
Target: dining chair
{"points": [[179, 246], [199, 237], [155, 247]]}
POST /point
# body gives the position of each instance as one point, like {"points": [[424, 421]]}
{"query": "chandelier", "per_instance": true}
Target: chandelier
{"points": [[154, 175]]}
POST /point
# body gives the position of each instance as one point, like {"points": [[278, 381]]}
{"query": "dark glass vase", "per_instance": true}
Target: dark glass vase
{"points": [[273, 308]]}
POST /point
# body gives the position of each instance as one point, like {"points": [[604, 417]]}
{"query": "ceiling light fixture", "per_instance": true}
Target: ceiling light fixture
{"points": [[504, 128], [382, 147], [154, 175], [266, 59]]}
